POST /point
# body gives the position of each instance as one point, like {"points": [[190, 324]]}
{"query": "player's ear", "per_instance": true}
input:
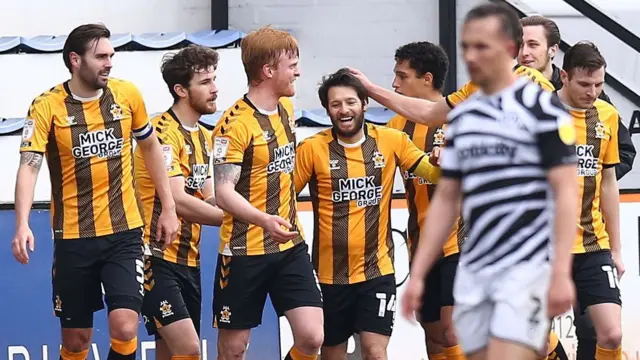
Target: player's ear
{"points": [[564, 76], [75, 59], [552, 51], [365, 104], [180, 90], [428, 79], [267, 71]]}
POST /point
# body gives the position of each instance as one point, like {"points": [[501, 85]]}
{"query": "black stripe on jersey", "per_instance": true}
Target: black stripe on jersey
{"points": [[521, 222], [205, 153], [284, 116], [475, 112], [589, 238], [84, 180], [186, 227], [55, 169], [543, 244], [273, 181], [340, 220], [413, 228], [155, 214], [239, 229], [114, 165], [315, 203], [372, 213], [502, 183], [491, 134], [428, 146]]}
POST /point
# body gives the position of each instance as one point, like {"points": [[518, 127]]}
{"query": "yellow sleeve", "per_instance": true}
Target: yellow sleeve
{"points": [[172, 150], [414, 160], [37, 125], [396, 122], [230, 142], [612, 154], [140, 124], [546, 85], [461, 95], [304, 165]]}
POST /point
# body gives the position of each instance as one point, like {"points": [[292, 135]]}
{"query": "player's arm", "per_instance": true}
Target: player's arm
{"points": [[147, 140], [610, 196], [304, 165], [414, 160], [556, 138], [627, 151], [35, 135], [229, 152], [193, 209], [418, 110]]}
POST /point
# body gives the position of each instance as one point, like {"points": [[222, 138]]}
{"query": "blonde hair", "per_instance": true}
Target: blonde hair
{"points": [[264, 47]]}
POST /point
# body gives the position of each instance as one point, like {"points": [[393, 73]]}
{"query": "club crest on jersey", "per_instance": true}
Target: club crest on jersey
{"points": [[292, 124], [378, 160], [116, 112], [438, 137], [333, 165], [600, 134]]}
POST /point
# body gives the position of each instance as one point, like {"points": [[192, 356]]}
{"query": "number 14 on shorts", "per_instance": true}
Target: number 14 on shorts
{"points": [[384, 305]]}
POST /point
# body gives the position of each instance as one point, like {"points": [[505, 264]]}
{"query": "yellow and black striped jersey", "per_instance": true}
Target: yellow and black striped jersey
{"points": [[264, 145], [187, 153], [88, 146]]}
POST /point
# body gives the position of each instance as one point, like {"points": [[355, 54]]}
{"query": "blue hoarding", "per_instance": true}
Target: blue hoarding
{"points": [[30, 331]]}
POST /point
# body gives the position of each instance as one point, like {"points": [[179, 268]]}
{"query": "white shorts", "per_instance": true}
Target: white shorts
{"points": [[510, 305]]}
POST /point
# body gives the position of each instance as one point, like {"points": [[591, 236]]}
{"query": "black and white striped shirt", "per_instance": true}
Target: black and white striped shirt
{"points": [[500, 147]]}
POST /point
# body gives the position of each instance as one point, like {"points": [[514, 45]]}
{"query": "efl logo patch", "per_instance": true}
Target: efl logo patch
{"points": [[220, 148]]}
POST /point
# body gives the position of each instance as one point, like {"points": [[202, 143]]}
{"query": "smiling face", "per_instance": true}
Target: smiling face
{"points": [[535, 52], [284, 75], [94, 66], [346, 111]]}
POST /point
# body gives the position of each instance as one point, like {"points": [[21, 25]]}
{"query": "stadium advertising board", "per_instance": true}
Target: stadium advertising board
{"points": [[29, 331]]}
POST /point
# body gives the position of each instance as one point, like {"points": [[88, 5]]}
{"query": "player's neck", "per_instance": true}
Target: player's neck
{"points": [[187, 115], [500, 81], [431, 95], [548, 71], [81, 90], [563, 94], [263, 97], [351, 140]]}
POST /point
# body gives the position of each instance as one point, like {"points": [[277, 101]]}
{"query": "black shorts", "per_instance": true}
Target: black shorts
{"points": [[173, 292], [596, 279], [83, 267], [366, 306], [242, 284], [438, 288]]}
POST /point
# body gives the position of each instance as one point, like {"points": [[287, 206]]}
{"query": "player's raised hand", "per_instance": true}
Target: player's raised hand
{"points": [[360, 76], [22, 240], [167, 227], [274, 225], [562, 294], [434, 157], [412, 298]]}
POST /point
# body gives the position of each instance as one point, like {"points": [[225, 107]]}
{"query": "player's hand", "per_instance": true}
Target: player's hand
{"points": [[562, 294], [617, 261], [412, 298], [167, 227], [434, 157], [279, 229], [22, 240], [360, 76]]}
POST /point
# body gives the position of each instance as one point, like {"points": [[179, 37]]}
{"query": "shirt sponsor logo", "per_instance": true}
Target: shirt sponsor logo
{"points": [[362, 190], [100, 143], [284, 159], [588, 163]]}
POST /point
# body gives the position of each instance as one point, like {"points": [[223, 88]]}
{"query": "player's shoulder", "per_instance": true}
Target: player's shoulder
{"points": [[535, 76], [167, 128], [240, 114], [49, 98], [318, 139], [382, 132], [122, 86], [397, 122], [287, 103], [606, 111]]}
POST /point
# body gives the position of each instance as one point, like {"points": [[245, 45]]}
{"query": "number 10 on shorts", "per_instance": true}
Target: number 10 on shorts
{"points": [[384, 306]]}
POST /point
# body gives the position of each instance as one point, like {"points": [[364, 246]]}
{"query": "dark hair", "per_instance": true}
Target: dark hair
{"points": [[342, 78], [509, 21], [583, 55], [425, 57], [551, 31], [79, 39], [179, 68]]}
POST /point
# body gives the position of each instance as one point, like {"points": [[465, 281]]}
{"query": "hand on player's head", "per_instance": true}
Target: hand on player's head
{"points": [[360, 76]]}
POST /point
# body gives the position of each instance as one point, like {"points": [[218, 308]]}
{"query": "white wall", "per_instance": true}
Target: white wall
{"points": [[337, 33], [44, 17]]}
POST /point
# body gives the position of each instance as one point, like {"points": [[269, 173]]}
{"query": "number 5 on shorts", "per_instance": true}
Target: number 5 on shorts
{"points": [[612, 275], [384, 307]]}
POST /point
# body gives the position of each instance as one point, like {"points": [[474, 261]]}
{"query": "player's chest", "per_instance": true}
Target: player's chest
{"points": [[195, 157], [354, 167], [272, 150], [592, 140], [92, 130]]}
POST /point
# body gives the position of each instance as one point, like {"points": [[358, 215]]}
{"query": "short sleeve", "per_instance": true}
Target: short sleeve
{"points": [[140, 124], [37, 125], [172, 150], [555, 132], [449, 162], [304, 164], [396, 122], [408, 154], [230, 142], [461, 95], [612, 154]]}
